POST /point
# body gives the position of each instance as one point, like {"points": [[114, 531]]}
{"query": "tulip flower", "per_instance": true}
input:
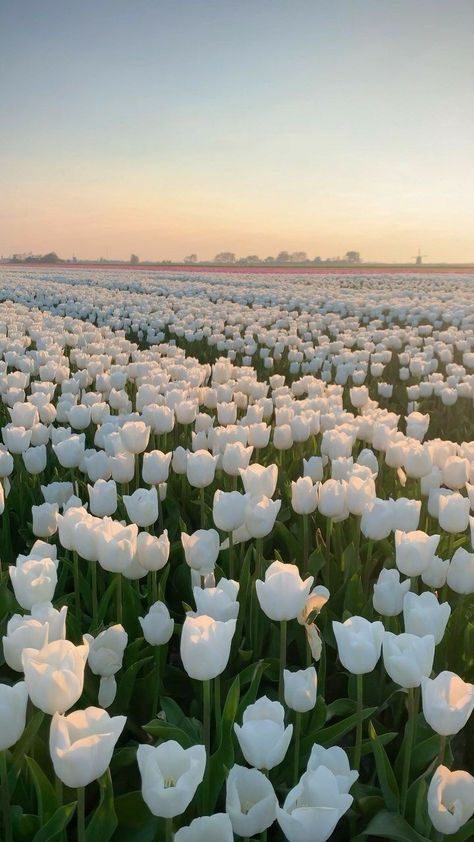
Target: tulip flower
{"points": [[358, 643], [135, 436], [216, 828], [389, 593], [156, 466], [153, 552], [414, 551], [34, 581], [453, 513], [201, 550], [460, 575], [228, 511], [13, 702], [220, 602], [81, 744], [260, 515], [304, 496], [262, 737], [54, 675], [313, 808], [283, 594], [300, 689], [408, 658], [170, 776], [157, 625], [200, 468], [22, 632], [423, 614], [250, 801], [103, 497], [336, 760], [205, 646], [450, 800], [448, 702], [260, 481], [142, 506]]}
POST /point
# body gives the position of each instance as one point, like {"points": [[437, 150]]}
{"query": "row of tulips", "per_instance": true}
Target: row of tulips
{"points": [[224, 593]]}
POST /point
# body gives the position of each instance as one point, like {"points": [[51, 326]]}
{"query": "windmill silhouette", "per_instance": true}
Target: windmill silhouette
{"points": [[418, 258]]}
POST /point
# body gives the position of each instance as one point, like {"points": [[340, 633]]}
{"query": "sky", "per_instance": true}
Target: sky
{"points": [[166, 127]]}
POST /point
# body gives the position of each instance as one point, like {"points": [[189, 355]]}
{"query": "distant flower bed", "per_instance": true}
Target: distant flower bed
{"points": [[237, 557]]}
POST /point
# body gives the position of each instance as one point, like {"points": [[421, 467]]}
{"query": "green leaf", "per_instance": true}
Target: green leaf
{"points": [[385, 773], [392, 826], [23, 746], [223, 758], [465, 834], [56, 824], [163, 730], [135, 822], [45, 794], [126, 684], [104, 821], [333, 733]]}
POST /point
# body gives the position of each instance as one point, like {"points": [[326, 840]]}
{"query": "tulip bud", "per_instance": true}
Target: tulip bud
{"points": [[300, 689], [358, 643], [262, 737], [389, 593], [407, 657], [157, 625], [205, 646]]}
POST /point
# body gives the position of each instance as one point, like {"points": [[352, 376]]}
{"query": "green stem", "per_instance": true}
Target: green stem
{"points": [[169, 830], [359, 709], [95, 605], [118, 594], [156, 694], [77, 588], [305, 540], [231, 555], [206, 723], [217, 707], [154, 587], [81, 814], [203, 510], [137, 471], [442, 751], [409, 738], [281, 686], [297, 739], [7, 817]]}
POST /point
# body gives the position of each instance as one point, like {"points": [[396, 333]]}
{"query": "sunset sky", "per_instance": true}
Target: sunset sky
{"points": [[167, 127]]}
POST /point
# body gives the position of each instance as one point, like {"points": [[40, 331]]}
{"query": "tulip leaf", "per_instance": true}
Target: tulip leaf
{"points": [[23, 745], [126, 684], [330, 735], [163, 730], [385, 773], [135, 822], [25, 825], [56, 824], [223, 758], [465, 834], [257, 671], [104, 821], [45, 793], [392, 826]]}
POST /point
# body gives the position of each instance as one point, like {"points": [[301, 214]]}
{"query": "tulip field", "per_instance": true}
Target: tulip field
{"points": [[237, 556]]}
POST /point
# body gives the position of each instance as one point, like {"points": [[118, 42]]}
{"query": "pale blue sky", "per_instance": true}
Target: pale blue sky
{"points": [[167, 127]]}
